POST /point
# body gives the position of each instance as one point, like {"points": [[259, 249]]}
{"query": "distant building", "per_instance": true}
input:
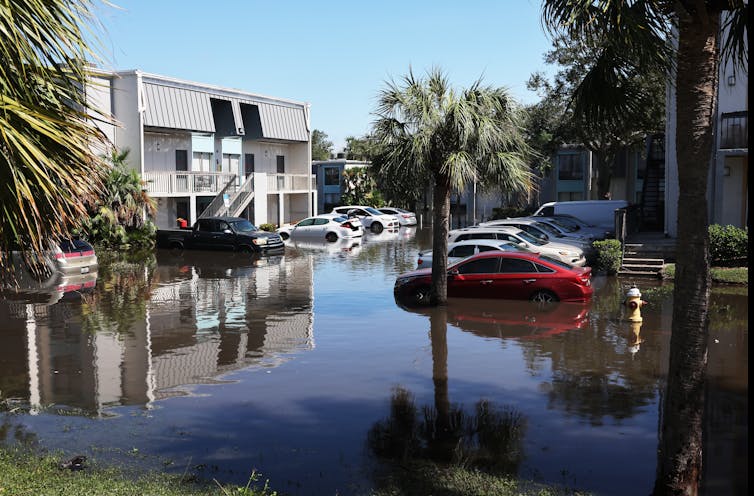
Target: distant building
{"points": [[330, 185]]}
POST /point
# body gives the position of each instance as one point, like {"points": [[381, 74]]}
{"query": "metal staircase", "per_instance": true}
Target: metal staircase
{"points": [[239, 198], [653, 191]]}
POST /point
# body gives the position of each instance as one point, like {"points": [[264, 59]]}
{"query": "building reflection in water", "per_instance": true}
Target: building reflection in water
{"points": [[145, 334]]}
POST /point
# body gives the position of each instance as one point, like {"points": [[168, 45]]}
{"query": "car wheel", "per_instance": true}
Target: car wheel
{"points": [[284, 236], [176, 248], [376, 227], [544, 297], [331, 237]]}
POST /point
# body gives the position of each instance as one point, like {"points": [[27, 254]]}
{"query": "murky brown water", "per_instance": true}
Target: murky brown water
{"points": [[305, 368]]}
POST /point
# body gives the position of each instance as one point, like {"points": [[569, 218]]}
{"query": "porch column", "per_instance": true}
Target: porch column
{"points": [[192, 210]]}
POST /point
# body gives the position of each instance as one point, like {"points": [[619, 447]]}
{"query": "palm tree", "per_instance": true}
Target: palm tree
{"points": [[636, 35], [121, 213], [454, 137], [49, 166]]}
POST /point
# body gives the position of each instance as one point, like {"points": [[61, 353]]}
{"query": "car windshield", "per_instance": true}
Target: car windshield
{"points": [[340, 219], [548, 229], [512, 247], [531, 239], [373, 211], [243, 226], [555, 261], [565, 225]]}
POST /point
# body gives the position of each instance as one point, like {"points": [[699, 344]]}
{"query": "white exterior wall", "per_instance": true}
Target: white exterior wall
{"points": [[159, 150], [98, 96], [126, 107]]}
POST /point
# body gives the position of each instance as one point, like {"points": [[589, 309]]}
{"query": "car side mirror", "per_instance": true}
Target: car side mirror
{"points": [[227, 231], [453, 272]]}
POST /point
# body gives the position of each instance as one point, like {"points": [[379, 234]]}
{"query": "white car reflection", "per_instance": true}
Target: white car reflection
{"points": [[53, 290], [346, 246]]}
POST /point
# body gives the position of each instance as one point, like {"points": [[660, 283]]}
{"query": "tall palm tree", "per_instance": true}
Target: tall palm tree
{"points": [[637, 34], [454, 137], [49, 166]]}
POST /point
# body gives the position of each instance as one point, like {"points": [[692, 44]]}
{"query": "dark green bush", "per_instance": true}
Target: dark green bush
{"points": [[506, 212], [608, 258], [729, 246], [268, 227]]}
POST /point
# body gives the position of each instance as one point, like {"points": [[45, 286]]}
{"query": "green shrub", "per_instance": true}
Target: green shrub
{"points": [[268, 227], [608, 258], [505, 212], [728, 246]]}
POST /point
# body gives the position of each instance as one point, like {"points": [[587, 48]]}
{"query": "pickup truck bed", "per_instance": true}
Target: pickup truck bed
{"points": [[221, 233]]}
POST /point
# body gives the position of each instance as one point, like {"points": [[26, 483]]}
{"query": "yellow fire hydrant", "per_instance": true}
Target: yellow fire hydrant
{"points": [[633, 303]]}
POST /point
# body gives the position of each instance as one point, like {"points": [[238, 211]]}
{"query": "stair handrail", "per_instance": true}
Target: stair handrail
{"points": [[216, 206], [243, 193]]}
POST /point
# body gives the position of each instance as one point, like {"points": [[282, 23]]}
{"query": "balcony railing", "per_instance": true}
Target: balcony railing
{"points": [[284, 183], [734, 130], [185, 182], [180, 182]]}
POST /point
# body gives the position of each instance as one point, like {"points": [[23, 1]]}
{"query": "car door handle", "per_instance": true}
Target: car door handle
{"points": [[528, 281], [486, 282]]}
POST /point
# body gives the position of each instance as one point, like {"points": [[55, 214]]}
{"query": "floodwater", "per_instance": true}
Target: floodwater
{"points": [[303, 368]]}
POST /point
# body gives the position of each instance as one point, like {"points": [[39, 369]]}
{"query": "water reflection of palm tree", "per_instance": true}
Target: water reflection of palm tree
{"points": [[490, 438]]}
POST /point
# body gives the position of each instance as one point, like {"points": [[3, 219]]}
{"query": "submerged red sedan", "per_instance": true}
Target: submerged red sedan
{"points": [[508, 275]]}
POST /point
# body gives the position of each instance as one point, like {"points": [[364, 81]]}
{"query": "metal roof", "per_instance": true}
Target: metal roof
{"points": [[177, 108], [189, 107]]}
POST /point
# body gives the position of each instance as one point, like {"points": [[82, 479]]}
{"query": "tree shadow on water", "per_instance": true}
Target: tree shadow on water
{"points": [[421, 446]]}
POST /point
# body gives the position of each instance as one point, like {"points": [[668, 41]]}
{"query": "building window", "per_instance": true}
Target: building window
{"points": [[230, 162], [201, 161], [181, 160], [570, 195], [332, 176], [281, 164], [569, 167]]}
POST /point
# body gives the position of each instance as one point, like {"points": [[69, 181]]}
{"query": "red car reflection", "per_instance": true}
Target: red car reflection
{"points": [[506, 275], [511, 319]]}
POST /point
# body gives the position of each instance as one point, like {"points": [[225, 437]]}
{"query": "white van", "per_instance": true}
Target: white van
{"points": [[599, 213]]}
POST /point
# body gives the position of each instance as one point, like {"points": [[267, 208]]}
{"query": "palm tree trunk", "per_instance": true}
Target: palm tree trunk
{"points": [[439, 336], [679, 465], [441, 201]]}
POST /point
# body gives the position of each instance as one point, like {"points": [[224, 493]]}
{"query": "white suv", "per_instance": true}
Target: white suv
{"points": [[570, 254], [371, 218]]}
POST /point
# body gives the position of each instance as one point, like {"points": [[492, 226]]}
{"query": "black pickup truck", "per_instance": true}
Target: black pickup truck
{"points": [[221, 233]]}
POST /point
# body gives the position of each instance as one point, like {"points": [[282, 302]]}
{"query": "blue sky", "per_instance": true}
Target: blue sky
{"points": [[335, 54]]}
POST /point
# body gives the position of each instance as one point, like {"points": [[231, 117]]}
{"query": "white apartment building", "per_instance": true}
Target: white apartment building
{"points": [[728, 193], [204, 150]]}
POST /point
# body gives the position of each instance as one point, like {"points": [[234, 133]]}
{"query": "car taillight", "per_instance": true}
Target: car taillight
{"points": [[406, 216], [347, 225], [420, 262], [586, 281]]}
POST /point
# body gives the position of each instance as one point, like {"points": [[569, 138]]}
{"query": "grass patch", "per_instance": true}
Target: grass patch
{"points": [[724, 275], [25, 473], [428, 478]]}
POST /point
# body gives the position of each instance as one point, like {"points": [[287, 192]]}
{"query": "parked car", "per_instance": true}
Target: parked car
{"points": [[67, 266], [462, 249], [371, 218], [326, 227], [221, 233], [542, 230], [569, 254], [405, 218], [579, 225], [501, 274], [600, 213]]}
